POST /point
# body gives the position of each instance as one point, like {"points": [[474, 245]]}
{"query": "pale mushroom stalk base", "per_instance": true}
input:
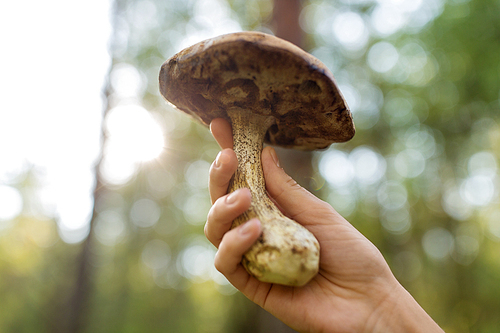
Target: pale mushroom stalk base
{"points": [[286, 253]]}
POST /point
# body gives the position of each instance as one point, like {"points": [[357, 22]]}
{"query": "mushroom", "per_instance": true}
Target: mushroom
{"points": [[270, 91]]}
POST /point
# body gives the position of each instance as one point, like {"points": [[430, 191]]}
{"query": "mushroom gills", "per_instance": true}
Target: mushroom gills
{"points": [[286, 253]]}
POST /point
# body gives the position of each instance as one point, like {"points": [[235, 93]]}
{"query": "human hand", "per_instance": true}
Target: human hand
{"points": [[354, 290]]}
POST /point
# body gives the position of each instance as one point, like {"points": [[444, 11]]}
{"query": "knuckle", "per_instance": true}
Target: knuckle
{"points": [[212, 169], [218, 262], [213, 176], [214, 211], [210, 214], [206, 231], [292, 183], [210, 233]]}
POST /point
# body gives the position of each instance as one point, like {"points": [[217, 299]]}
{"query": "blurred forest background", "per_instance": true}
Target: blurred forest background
{"points": [[420, 178]]}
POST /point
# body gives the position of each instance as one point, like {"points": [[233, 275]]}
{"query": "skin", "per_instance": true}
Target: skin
{"points": [[287, 253], [354, 291]]}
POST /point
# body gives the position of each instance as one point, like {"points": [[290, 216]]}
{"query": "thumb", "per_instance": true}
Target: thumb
{"points": [[296, 201]]}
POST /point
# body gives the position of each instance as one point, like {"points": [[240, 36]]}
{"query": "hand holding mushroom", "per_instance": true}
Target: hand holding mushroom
{"points": [[354, 291], [300, 260]]}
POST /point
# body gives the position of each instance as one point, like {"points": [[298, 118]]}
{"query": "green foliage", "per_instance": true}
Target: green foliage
{"points": [[421, 176]]}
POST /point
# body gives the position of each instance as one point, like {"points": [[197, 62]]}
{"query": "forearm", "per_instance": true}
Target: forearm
{"points": [[402, 313]]}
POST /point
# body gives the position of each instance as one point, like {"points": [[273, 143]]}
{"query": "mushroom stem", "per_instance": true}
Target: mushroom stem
{"points": [[286, 252]]}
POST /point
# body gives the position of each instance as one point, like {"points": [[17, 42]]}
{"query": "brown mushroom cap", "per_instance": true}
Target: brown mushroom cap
{"points": [[263, 74]]}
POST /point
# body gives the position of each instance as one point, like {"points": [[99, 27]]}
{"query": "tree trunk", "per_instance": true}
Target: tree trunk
{"points": [[74, 315]]}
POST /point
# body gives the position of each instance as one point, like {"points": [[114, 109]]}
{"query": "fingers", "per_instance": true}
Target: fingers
{"points": [[220, 174], [296, 201], [225, 163], [223, 212], [234, 244], [222, 132]]}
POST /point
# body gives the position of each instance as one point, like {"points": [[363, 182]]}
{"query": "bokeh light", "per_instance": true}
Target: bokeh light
{"points": [[55, 126], [454, 204], [134, 136], [336, 168], [197, 174], [211, 18], [410, 163], [195, 207], [110, 227], [483, 163], [392, 195], [344, 200], [350, 30], [396, 221], [382, 57], [386, 20], [195, 261], [438, 243], [421, 139], [478, 190], [145, 213], [413, 57], [11, 203], [369, 166], [126, 81]]}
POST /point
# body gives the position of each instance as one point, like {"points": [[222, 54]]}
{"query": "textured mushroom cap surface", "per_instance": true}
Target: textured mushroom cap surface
{"points": [[259, 73]]}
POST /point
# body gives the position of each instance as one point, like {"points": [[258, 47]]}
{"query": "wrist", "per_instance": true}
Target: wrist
{"points": [[400, 312]]}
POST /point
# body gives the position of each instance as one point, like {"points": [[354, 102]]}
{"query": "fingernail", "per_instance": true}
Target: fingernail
{"points": [[275, 157], [231, 198], [246, 228]]}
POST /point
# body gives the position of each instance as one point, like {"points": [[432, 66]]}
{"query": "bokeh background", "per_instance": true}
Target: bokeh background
{"points": [[103, 186]]}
